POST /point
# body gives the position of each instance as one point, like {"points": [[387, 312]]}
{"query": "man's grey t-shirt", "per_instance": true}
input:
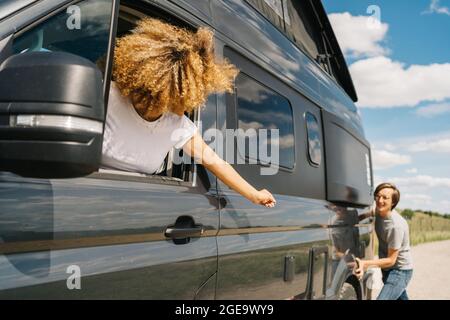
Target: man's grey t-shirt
{"points": [[393, 233]]}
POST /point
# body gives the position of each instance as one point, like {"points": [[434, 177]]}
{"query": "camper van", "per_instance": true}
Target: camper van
{"points": [[70, 229]]}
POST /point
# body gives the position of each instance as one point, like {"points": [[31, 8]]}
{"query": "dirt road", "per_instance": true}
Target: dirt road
{"points": [[431, 278]]}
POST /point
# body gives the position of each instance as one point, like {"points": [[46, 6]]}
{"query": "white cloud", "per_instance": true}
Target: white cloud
{"points": [[357, 35], [384, 159], [440, 146], [382, 82], [377, 180], [390, 147], [424, 202], [416, 192], [417, 198], [418, 201], [423, 181], [437, 142], [411, 171], [435, 7], [433, 110]]}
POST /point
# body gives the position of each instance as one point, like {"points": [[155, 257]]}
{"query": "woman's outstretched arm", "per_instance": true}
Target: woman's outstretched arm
{"points": [[202, 153]]}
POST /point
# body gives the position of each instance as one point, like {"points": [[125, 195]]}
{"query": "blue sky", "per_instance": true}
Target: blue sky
{"points": [[400, 65]]}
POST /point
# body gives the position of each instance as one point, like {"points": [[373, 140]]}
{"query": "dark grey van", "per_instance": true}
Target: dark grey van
{"points": [[70, 229]]}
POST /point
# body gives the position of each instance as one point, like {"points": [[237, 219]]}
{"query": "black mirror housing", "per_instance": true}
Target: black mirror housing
{"points": [[51, 115]]}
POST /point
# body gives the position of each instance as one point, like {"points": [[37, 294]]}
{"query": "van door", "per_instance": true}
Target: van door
{"points": [[112, 234]]}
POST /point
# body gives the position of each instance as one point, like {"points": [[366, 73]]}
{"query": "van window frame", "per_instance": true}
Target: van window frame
{"points": [[120, 175], [236, 121], [308, 139]]}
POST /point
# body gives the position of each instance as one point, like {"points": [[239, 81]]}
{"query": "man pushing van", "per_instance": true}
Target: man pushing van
{"points": [[394, 249]]}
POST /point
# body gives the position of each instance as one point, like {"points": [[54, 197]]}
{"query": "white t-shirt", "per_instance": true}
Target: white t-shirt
{"points": [[131, 143]]}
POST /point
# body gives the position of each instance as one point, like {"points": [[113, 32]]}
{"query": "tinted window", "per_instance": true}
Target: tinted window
{"points": [[298, 20], [302, 26], [271, 9], [313, 131], [81, 29], [258, 107]]}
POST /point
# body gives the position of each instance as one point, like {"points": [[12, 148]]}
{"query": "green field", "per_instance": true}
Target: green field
{"points": [[426, 226]]}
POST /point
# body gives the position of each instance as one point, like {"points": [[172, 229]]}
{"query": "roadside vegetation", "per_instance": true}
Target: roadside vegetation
{"points": [[426, 226]]}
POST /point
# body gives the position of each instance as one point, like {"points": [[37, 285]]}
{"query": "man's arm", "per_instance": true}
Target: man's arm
{"points": [[203, 154], [383, 263]]}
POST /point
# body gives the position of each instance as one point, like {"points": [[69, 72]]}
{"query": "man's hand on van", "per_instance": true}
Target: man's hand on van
{"points": [[264, 198], [358, 270]]}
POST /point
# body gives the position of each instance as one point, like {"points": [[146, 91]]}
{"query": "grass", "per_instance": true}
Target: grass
{"points": [[427, 228]]}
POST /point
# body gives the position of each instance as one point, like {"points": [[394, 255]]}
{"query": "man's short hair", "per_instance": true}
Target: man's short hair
{"points": [[395, 194]]}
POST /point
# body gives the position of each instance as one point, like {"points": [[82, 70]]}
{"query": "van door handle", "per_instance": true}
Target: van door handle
{"points": [[180, 233]]}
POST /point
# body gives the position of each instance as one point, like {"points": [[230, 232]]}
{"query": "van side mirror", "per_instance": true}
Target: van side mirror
{"points": [[51, 115]]}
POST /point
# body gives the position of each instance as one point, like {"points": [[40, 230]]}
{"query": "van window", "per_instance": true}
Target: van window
{"points": [[303, 28], [177, 166], [81, 29], [297, 20], [259, 107], [313, 133], [271, 10]]}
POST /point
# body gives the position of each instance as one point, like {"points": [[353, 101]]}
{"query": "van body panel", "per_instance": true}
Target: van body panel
{"points": [[337, 102], [349, 174], [253, 243], [112, 230], [198, 8]]}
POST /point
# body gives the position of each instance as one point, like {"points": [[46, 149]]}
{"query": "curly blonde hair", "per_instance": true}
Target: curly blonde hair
{"points": [[162, 67]]}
